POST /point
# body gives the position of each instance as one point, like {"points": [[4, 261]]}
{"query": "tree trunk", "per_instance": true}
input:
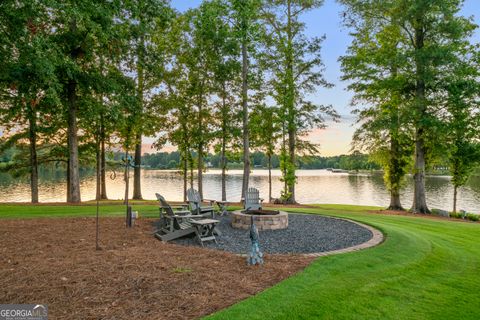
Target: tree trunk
{"points": [[223, 164], [73, 195], [291, 149], [200, 171], [103, 184], [455, 189], [185, 178], [395, 203], [126, 178], [395, 177], [223, 158], [191, 171], [269, 177], [68, 180], [419, 199], [98, 174], [290, 105], [246, 134], [284, 154], [33, 156], [137, 187]]}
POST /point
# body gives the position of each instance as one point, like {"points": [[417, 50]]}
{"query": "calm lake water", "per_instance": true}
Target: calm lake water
{"points": [[314, 186]]}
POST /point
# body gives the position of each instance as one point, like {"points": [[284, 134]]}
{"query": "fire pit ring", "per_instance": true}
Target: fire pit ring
{"points": [[263, 221]]}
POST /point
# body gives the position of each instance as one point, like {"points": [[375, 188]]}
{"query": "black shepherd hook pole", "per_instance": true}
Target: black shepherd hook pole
{"points": [[97, 247]]}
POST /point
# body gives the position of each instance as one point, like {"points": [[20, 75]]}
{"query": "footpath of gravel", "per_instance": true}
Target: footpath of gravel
{"points": [[305, 234]]}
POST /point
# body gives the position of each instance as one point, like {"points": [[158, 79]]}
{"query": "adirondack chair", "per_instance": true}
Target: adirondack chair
{"points": [[196, 207], [253, 200], [176, 224], [173, 223]]}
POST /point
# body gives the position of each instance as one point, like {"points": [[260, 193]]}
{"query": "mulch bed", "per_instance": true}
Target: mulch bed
{"points": [[134, 276]]}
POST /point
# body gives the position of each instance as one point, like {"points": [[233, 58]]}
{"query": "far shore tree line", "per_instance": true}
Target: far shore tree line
{"points": [[260, 160], [79, 78]]}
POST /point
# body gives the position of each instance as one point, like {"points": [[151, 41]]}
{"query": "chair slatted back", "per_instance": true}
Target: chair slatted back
{"points": [[164, 205], [193, 199], [252, 199]]}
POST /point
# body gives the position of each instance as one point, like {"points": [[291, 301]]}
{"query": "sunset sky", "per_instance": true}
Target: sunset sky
{"points": [[326, 21]]}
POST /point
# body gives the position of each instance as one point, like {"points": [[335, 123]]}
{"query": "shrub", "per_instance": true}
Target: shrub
{"points": [[456, 215], [473, 217]]}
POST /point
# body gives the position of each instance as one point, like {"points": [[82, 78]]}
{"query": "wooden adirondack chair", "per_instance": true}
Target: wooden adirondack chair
{"points": [[253, 200], [196, 207], [173, 224], [176, 224]]}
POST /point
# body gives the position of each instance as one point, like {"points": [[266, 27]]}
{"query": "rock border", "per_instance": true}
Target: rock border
{"points": [[377, 238]]}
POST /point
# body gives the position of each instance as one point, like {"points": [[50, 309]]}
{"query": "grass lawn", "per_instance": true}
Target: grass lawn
{"points": [[21, 211], [426, 269]]}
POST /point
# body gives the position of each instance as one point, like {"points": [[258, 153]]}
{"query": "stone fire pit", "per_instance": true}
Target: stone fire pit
{"points": [[264, 220]]}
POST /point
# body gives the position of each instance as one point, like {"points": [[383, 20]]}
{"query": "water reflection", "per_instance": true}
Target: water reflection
{"points": [[314, 186]]}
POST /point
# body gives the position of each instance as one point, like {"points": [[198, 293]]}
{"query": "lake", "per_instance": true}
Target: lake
{"points": [[314, 186]]}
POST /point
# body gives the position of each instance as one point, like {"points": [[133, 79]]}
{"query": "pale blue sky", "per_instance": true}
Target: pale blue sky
{"points": [[326, 21]]}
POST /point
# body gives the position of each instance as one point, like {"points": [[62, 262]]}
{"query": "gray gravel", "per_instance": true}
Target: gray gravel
{"points": [[305, 234]]}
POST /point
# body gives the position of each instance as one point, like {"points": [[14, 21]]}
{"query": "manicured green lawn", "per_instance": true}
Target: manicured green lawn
{"points": [[59, 211], [426, 269]]}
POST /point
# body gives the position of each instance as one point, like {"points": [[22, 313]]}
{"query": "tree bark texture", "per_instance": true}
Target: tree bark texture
{"points": [[33, 156], [419, 198], [137, 186], [269, 178], [98, 174], [290, 103], [73, 195], [395, 177], [246, 134], [103, 183]]}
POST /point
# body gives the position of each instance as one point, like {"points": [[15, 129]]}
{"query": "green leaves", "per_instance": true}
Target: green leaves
{"points": [[411, 68]]}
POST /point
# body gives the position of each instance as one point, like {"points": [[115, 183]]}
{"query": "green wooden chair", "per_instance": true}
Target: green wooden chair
{"points": [[179, 223], [196, 206], [173, 223]]}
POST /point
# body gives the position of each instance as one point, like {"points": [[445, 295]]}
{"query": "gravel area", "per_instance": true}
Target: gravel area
{"points": [[305, 234]]}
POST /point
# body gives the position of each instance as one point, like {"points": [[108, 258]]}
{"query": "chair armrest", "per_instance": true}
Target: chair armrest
{"points": [[181, 206], [182, 212], [210, 200], [187, 216]]}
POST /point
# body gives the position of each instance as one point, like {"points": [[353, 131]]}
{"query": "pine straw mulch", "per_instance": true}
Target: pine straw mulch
{"points": [[134, 276]]}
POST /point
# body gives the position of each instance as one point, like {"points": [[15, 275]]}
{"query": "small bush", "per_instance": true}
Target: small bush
{"points": [[473, 217], [439, 212], [456, 215]]}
